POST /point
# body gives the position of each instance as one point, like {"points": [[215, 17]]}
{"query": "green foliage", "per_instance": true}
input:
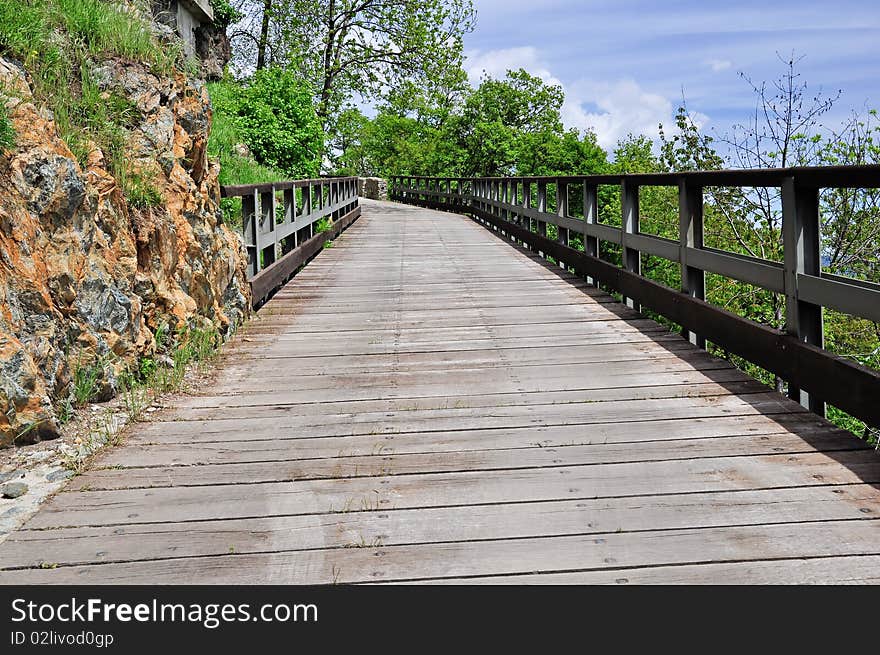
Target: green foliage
{"points": [[140, 190], [346, 146], [7, 131], [225, 138], [224, 13], [365, 48], [509, 126], [225, 142], [503, 119], [274, 115]]}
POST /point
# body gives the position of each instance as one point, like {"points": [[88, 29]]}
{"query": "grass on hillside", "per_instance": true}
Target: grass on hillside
{"points": [[58, 41], [234, 169]]}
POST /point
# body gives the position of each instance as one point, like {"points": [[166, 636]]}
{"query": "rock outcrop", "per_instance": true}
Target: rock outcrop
{"points": [[87, 274]]}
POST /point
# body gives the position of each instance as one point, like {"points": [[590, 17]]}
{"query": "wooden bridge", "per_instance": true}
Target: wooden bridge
{"points": [[431, 399]]}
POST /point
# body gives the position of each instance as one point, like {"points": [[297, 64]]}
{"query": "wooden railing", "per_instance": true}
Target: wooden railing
{"points": [[280, 222], [517, 207]]}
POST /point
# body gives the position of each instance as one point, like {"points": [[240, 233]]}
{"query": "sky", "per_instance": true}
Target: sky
{"points": [[626, 64]]}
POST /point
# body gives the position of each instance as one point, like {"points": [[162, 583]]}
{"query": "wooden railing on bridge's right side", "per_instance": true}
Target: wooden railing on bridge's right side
{"points": [[517, 207], [279, 222]]}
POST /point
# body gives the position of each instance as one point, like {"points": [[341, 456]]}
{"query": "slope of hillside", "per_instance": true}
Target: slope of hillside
{"points": [[110, 229]]}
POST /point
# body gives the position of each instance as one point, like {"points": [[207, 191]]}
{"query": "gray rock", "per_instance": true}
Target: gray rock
{"points": [[60, 474], [10, 475], [13, 489], [54, 188], [103, 306], [214, 49]]}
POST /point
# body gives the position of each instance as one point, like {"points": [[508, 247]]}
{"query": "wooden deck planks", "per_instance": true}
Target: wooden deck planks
{"points": [[425, 402]]}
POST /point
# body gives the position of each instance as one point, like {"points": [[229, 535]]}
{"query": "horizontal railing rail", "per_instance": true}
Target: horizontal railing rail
{"points": [[517, 207], [280, 225]]}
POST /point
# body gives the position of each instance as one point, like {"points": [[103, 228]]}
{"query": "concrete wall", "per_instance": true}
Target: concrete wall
{"points": [[184, 16]]}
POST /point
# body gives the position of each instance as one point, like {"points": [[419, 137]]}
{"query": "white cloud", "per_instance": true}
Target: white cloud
{"points": [[718, 65], [496, 63], [621, 107], [612, 109]]}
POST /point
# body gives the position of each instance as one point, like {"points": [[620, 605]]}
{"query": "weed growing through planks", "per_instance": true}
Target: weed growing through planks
{"points": [[370, 504], [375, 542]]}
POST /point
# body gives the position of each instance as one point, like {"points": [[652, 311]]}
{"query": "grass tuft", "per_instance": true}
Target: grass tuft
{"points": [[7, 131]]}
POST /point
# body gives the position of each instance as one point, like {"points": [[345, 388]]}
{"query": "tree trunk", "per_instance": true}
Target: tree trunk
{"points": [[263, 42]]}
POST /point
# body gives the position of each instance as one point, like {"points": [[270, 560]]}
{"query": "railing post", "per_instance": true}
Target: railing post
{"points": [[251, 229], [591, 217], [309, 201], [502, 199], [541, 226], [562, 212], [289, 242], [267, 227], [526, 221], [629, 205], [801, 256], [517, 215], [690, 235]]}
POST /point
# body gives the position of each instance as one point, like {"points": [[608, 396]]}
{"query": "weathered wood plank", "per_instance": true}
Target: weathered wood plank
{"points": [[283, 418], [143, 452], [617, 552], [439, 524], [163, 504], [296, 468], [329, 405], [862, 570]]}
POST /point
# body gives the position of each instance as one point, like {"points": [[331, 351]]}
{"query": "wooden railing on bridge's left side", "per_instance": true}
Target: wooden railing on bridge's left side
{"points": [[518, 208], [281, 220]]}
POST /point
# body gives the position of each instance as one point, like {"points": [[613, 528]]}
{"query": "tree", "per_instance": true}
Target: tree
{"points": [[346, 148], [354, 47], [785, 129], [498, 117]]}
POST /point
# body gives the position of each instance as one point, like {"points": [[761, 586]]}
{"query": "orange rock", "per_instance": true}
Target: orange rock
{"points": [[86, 278]]}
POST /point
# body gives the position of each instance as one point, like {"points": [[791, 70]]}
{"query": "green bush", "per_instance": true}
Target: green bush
{"points": [[275, 116], [224, 137], [224, 13]]}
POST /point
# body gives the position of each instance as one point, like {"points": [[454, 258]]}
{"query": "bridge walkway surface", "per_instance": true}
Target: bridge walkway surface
{"points": [[426, 401]]}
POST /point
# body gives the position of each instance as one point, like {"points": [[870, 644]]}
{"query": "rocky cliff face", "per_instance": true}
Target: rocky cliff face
{"points": [[86, 275]]}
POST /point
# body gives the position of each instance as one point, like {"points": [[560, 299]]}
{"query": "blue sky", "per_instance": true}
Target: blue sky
{"points": [[624, 64]]}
